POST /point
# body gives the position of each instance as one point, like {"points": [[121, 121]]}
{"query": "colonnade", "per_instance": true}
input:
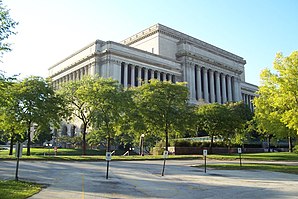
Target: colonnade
{"points": [[247, 99], [212, 86], [73, 76], [133, 75]]}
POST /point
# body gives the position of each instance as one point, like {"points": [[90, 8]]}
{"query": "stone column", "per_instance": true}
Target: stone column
{"points": [[170, 77], [173, 78], [223, 86], [236, 89], [125, 75], [192, 82], [199, 82], [246, 99], [158, 75], [133, 76], [229, 85], [205, 90], [217, 81], [82, 72], [152, 74], [139, 76], [146, 76], [164, 77], [78, 74], [211, 82], [75, 75]]}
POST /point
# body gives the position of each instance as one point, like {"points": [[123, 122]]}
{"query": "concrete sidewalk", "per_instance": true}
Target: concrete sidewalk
{"points": [[142, 179]]}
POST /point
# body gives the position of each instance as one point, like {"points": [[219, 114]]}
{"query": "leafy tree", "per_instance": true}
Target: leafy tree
{"points": [[75, 96], [7, 27], [11, 129], [226, 121], [12, 126], [213, 118], [162, 106], [239, 117], [277, 105], [109, 103], [37, 104], [42, 134]]}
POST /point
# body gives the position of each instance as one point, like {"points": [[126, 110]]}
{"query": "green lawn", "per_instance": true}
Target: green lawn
{"points": [[267, 167], [76, 154], [275, 156], [10, 189], [99, 155]]}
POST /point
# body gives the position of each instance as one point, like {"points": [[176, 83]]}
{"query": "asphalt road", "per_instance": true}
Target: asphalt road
{"points": [[142, 179]]}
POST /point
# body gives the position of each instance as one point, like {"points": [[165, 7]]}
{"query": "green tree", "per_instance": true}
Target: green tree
{"points": [[276, 107], [109, 103], [37, 104], [162, 106], [213, 119], [75, 96], [12, 126], [226, 121], [238, 118], [7, 27]]}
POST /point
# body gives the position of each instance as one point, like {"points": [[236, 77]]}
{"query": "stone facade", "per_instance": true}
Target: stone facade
{"points": [[212, 74]]}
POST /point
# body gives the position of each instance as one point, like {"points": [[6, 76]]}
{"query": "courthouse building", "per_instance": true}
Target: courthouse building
{"points": [[212, 74]]}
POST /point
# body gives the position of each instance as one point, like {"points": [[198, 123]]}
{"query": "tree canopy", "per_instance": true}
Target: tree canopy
{"points": [[7, 27], [163, 107], [109, 104], [278, 93], [37, 104]]}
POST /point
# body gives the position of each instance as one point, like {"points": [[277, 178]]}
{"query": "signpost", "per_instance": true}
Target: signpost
{"points": [[55, 150], [108, 159], [165, 156], [239, 152], [19, 149], [205, 157]]}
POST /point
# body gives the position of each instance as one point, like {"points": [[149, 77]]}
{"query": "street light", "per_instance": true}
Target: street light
{"points": [[142, 145]]}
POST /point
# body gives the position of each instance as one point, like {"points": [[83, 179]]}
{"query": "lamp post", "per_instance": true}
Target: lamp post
{"points": [[142, 145]]}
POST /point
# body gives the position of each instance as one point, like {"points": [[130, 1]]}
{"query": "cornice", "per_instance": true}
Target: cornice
{"points": [[207, 61], [74, 64], [133, 58], [77, 52], [181, 37]]}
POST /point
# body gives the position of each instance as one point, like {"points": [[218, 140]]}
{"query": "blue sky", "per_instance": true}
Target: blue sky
{"points": [[50, 30]]}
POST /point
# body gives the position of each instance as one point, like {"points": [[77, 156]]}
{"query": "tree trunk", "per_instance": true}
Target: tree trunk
{"points": [[269, 147], [11, 144], [167, 137], [290, 144], [84, 139], [211, 144], [29, 139], [109, 144]]}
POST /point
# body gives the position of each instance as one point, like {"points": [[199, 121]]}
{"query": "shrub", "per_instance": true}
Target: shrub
{"points": [[295, 149]]}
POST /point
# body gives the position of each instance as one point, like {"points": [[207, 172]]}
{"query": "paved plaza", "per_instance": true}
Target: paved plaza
{"points": [[142, 179]]}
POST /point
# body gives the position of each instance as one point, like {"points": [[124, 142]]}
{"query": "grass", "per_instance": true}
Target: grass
{"points": [[275, 156], [76, 155], [268, 167], [99, 155], [10, 189]]}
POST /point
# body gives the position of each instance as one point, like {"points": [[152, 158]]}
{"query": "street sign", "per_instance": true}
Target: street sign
{"points": [[205, 152], [108, 156], [19, 150], [165, 154], [239, 150]]}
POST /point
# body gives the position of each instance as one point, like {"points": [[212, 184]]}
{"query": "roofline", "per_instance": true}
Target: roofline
{"points": [[178, 35]]}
